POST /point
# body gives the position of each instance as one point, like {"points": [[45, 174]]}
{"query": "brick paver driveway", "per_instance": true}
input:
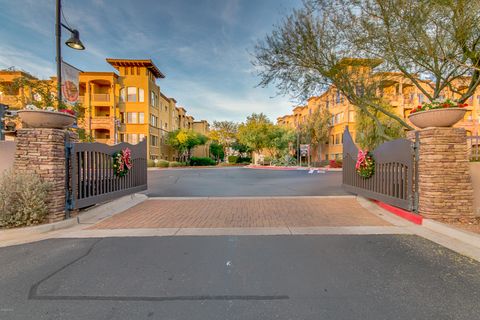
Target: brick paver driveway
{"points": [[244, 213]]}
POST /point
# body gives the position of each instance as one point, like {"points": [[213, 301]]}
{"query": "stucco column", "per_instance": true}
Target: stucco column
{"points": [[42, 151], [444, 181]]}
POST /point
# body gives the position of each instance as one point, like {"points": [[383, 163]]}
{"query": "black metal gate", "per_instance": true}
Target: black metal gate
{"points": [[394, 180], [91, 176]]}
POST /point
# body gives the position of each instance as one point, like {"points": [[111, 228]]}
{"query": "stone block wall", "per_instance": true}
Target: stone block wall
{"points": [[42, 151], [445, 184]]}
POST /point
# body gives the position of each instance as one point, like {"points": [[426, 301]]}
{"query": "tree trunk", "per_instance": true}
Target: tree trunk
{"points": [[319, 153]]}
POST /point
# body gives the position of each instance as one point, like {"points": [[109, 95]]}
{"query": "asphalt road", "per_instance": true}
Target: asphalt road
{"points": [[252, 277], [230, 182]]}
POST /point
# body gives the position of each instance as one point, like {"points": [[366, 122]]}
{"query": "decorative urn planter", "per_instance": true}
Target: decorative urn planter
{"points": [[446, 117], [46, 119]]}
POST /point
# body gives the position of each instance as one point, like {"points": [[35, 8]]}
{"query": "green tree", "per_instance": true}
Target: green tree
{"points": [[224, 132], [317, 129], [278, 140], [216, 150], [240, 148], [184, 141], [345, 42], [254, 132], [435, 38], [367, 133], [259, 134]]}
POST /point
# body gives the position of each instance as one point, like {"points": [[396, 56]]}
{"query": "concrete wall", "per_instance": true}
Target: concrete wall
{"points": [[475, 171], [7, 154]]}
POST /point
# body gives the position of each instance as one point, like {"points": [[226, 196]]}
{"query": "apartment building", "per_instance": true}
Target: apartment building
{"points": [[15, 98], [202, 127], [98, 94], [122, 106], [398, 91]]}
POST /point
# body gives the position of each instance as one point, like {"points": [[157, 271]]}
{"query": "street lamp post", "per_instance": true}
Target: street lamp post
{"points": [[74, 43]]}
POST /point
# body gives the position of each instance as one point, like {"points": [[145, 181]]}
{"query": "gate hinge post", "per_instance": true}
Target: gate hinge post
{"points": [[68, 193], [416, 155]]}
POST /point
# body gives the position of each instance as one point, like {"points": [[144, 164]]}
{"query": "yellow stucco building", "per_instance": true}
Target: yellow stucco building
{"points": [[122, 106], [398, 91], [202, 127]]}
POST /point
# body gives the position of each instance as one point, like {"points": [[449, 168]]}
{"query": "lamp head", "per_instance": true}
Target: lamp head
{"points": [[74, 41]]}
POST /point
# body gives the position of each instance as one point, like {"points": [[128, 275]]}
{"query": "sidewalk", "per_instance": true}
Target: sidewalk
{"points": [[137, 216]]}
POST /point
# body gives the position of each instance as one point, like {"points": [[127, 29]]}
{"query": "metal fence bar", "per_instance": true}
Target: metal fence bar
{"points": [[93, 179]]}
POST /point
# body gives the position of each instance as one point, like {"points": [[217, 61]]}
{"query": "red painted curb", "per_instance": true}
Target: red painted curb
{"points": [[410, 216]]}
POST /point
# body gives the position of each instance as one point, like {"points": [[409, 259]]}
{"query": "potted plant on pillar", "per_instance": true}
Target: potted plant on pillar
{"points": [[438, 113], [42, 108]]}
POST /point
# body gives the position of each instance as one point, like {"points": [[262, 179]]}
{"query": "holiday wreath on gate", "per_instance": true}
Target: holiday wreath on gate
{"points": [[122, 162], [365, 165]]}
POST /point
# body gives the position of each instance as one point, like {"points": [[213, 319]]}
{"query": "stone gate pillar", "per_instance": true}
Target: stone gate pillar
{"points": [[42, 151], [444, 181]]}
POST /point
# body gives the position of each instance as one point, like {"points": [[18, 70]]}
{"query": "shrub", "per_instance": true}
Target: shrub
{"points": [[176, 164], [232, 159], [286, 160], [202, 161], [162, 164], [244, 160], [150, 163], [22, 199]]}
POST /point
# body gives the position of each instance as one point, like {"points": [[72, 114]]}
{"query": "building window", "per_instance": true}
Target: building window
{"points": [[153, 140], [132, 138], [141, 95], [131, 94], [166, 126], [122, 95], [152, 99], [132, 117], [338, 96], [166, 109], [338, 138], [141, 117], [138, 71], [420, 98], [153, 120]]}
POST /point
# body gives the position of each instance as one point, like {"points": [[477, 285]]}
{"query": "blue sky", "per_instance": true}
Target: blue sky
{"points": [[200, 45]]}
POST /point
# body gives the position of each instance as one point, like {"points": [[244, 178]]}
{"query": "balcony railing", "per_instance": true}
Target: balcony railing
{"points": [[101, 97]]}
